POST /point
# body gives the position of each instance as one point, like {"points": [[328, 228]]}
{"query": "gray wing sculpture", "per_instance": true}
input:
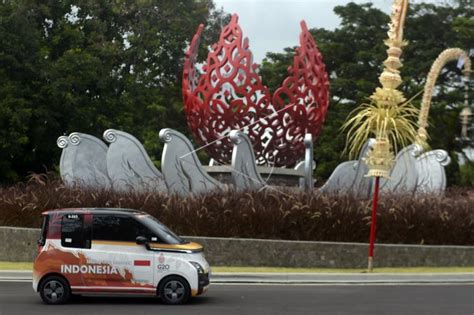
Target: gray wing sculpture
{"points": [[404, 174], [181, 167], [418, 172], [414, 172], [244, 168], [83, 160], [349, 176], [431, 173], [128, 164]]}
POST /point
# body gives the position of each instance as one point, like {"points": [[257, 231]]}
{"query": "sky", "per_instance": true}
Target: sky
{"points": [[272, 25]]}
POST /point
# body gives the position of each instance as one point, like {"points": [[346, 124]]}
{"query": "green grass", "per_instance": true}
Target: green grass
{"points": [[5, 265], [8, 265]]}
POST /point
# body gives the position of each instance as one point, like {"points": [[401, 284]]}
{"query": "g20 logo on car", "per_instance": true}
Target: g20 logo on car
{"points": [[163, 267], [161, 258]]}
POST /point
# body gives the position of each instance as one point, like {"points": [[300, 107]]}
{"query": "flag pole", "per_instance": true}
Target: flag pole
{"points": [[373, 225]]}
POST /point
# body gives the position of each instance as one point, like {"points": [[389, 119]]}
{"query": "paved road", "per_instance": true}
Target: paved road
{"points": [[18, 298], [313, 278]]}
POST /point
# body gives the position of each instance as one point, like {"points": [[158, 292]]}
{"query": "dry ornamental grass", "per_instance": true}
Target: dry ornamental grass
{"points": [[270, 214]]}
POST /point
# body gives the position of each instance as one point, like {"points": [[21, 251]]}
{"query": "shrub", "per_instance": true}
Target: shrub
{"points": [[269, 214], [467, 174]]}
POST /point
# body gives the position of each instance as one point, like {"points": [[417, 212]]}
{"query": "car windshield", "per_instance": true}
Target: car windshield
{"points": [[164, 234]]}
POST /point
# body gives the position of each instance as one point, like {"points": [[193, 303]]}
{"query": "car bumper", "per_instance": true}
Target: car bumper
{"points": [[203, 283]]}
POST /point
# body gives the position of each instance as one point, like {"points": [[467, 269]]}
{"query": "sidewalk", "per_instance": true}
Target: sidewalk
{"points": [[308, 278]]}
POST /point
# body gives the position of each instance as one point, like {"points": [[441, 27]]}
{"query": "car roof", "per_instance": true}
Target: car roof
{"points": [[95, 211]]}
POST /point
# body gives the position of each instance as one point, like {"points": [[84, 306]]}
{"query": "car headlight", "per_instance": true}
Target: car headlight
{"points": [[198, 267]]}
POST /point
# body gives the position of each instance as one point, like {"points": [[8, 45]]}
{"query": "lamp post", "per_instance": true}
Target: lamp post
{"points": [[466, 139], [466, 113], [465, 116]]}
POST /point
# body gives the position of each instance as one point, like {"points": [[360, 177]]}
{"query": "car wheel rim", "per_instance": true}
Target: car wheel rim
{"points": [[53, 290], [174, 291]]}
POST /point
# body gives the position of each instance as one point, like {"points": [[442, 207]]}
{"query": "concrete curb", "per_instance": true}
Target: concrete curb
{"points": [[342, 278], [308, 278], [16, 275]]}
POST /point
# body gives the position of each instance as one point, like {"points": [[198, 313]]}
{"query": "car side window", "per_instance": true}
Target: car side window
{"points": [[74, 233], [108, 227]]}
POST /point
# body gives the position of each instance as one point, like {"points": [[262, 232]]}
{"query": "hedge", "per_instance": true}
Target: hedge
{"points": [[269, 214]]}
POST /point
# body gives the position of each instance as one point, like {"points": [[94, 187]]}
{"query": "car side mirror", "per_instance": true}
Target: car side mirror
{"points": [[41, 241], [141, 240]]}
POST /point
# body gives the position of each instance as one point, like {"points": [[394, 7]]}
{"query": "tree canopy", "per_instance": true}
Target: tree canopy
{"points": [[84, 65], [87, 65]]}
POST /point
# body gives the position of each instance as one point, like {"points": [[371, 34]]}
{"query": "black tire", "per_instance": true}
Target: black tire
{"points": [[54, 290], [174, 290]]}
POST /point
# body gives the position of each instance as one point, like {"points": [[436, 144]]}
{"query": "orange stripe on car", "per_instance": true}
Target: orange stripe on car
{"points": [[188, 246], [115, 243]]}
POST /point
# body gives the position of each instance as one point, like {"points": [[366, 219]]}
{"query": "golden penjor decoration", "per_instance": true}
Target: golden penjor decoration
{"points": [[388, 117]]}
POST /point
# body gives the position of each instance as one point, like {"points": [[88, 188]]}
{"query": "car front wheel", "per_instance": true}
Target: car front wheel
{"points": [[174, 290]]}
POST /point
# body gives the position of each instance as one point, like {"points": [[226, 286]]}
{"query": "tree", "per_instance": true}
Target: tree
{"points": [[19, 77], [91, 65]]}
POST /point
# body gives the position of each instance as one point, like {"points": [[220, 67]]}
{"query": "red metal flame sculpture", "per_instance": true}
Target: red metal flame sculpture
{"points": [[230, 95]]}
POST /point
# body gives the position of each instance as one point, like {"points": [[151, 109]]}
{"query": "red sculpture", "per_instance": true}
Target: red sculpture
{"points": [[230, 95]]}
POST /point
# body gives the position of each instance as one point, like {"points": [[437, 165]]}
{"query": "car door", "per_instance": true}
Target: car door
{"points": [[73, 255], [123, 266], [143, 260]]}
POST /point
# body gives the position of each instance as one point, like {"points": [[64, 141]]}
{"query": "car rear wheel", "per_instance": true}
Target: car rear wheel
{"points": [[54, 290], [174, 290]]}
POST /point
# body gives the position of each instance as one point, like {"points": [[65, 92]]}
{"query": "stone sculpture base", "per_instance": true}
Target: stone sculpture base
{"points": [[273, 176]]}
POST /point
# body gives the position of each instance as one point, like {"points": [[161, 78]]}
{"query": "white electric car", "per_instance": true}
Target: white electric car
{"points": [[119, 251]]}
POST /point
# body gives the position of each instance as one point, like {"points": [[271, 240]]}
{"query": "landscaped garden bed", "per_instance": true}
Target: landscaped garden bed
{"points": [[269, 214]]}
